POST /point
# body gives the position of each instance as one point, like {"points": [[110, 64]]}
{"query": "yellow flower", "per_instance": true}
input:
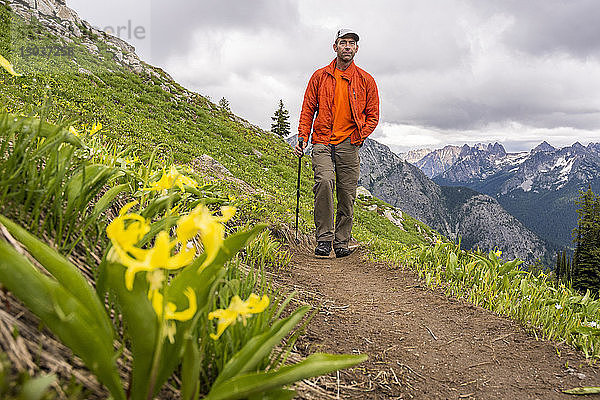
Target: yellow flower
{"points": [[96, 128], [498, 253], [173, 211], [166, 182], [171, 330], [8, 66], [183, 181], [124, 240], [127, 207], [158, 256], [173, 178], [200, 219], [170, 310], [126, 237], [237, 309], [155, 279]]}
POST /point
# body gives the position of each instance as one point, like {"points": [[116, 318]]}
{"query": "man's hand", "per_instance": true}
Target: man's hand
{"points": [[299, 149]]}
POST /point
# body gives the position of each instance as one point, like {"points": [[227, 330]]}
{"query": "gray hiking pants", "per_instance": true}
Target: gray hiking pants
{"points": [[336, 167]]}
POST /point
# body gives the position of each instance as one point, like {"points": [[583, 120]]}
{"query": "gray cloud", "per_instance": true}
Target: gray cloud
{"points": [[174, 22], [447, 70], [550, 26]]}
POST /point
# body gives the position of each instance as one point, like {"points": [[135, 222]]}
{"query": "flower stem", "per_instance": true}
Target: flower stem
{"points": [[156, 358]]}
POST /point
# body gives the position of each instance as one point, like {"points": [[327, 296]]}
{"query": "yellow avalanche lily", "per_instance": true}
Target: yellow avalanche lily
{"points": [[237, 309], [124, 240], [170, 313], [8, 66], [173, 178], [170, 309], [211, 228], [96, 128]]}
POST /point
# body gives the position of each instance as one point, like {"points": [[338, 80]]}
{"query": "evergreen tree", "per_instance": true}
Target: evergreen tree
{"points": [[559, 269], [563, 267], [224, 105], [566, 267], [586, 261], [281, 125]]}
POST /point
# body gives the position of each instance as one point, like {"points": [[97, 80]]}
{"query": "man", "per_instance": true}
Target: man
{"points": [[346, 103]]}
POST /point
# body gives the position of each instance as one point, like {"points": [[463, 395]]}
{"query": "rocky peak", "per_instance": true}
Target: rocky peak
{"points": [[594, 147], [544, 146], [577, 149], [465, 150], [497, 149], [414, 156], [64, 22], [577, 146]]}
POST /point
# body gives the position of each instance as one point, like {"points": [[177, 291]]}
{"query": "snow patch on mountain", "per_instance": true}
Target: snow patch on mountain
{"points": [[527, 184], [567, 167]]}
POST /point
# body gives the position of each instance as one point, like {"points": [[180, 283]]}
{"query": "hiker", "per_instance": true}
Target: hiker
{"points": [[346, 103]]}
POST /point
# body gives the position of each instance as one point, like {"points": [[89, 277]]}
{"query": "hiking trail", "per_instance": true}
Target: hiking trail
{"points": [[421, 344]]}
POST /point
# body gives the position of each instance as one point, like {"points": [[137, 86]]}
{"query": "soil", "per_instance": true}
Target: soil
{"points": [[421, 344]]}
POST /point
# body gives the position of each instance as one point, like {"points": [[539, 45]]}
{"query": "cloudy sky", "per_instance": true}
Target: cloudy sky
{"points": [[448, 71]]}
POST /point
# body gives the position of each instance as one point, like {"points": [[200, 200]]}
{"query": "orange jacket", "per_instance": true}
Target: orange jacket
{"points": [[364, 103]]}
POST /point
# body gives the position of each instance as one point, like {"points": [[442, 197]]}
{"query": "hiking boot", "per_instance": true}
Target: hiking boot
{"points": [[323, 249], [343, 252]]}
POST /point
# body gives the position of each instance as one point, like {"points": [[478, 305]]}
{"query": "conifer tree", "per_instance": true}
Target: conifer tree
{"points": [[224, 105], [586, 261], [566, 267], [559, 269], [281, 125], [563, 267]]}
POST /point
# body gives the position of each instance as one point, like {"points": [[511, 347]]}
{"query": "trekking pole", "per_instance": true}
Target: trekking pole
{"points": [[300, 140]]}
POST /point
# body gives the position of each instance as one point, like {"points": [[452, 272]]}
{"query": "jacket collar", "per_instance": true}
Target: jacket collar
{"points": [[348, 72]]}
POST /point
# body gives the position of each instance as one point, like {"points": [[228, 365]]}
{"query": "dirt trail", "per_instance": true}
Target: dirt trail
{"points": [[422, 345]]}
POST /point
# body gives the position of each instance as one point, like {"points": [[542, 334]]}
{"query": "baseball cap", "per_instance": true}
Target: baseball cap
{"points": [[344, 32]]}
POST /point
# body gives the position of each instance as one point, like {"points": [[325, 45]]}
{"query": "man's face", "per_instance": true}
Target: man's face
{"points": [[346, 48]]}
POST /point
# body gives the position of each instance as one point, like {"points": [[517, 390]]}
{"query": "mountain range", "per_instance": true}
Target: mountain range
{"points": [[539, 187], [478, 219]]}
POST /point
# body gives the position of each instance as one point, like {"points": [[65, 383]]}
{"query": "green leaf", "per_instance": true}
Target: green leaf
{"points": [[64, 272], [63, 314], [277, 394], [35, 388], [247, 385], [586, 330], [583, 390], [140, 322], [260, 346], [160, 204], [108, 197], [87, 178], [190, 370], [509, 266]]}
